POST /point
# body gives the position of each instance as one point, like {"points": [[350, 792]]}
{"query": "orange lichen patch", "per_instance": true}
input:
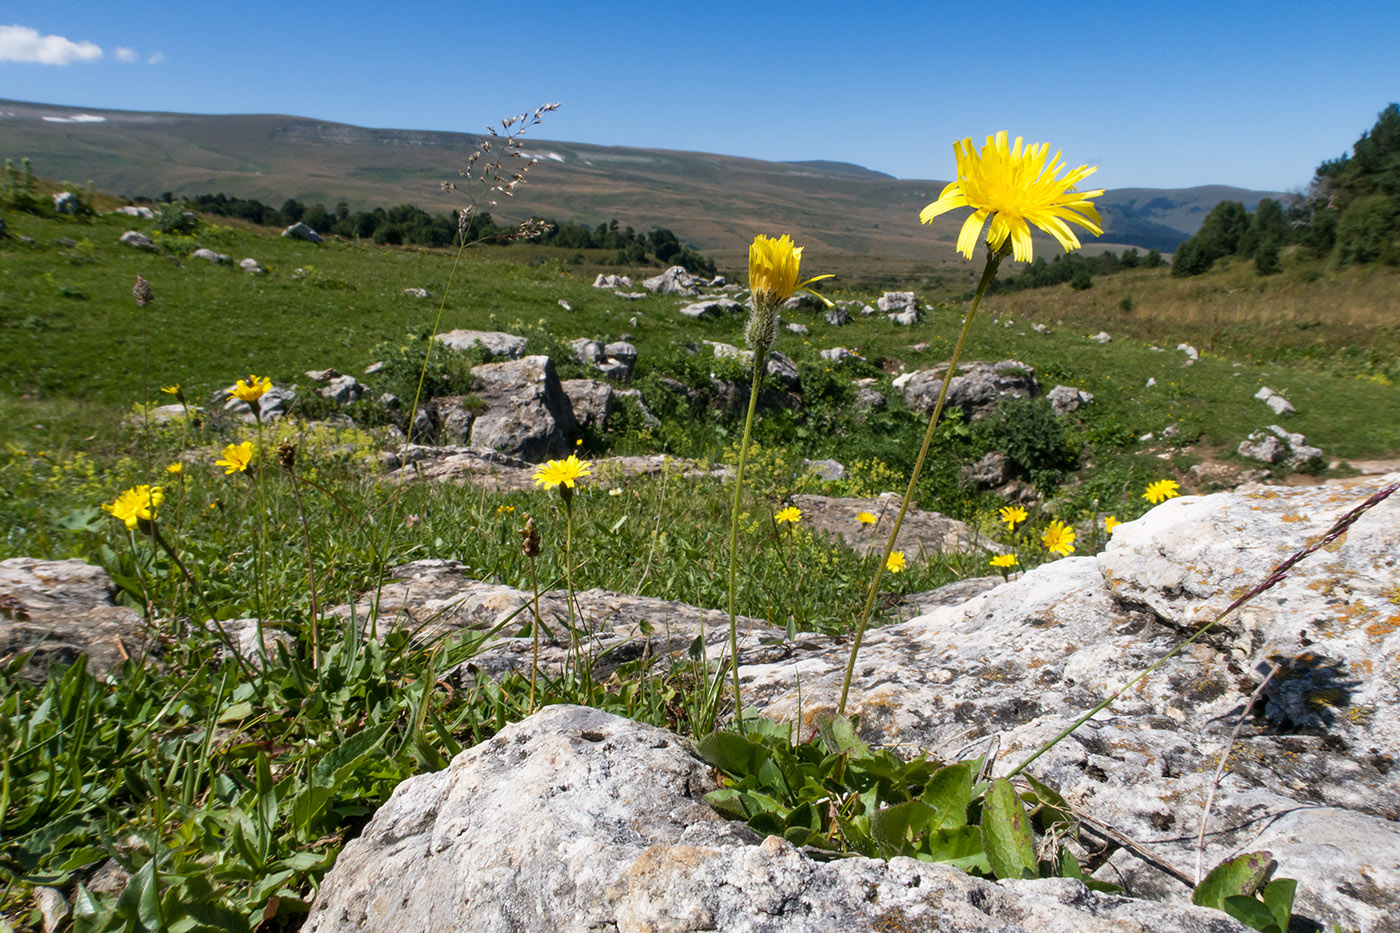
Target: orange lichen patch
{"points": [[1363, 667], [1360, 715], [1337, 544], [1378, 631], [1291, 517]]}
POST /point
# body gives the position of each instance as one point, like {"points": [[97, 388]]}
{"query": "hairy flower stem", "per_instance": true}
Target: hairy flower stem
{"points": [[759, 353], [994, 258], [194, 585], [535, 660], [1275, 577], [310, 573]]}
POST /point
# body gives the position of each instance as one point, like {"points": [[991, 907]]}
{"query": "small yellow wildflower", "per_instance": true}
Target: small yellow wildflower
{"points": [[1058, 538], [1012, 515], [561, 472], [1161, 491], [1110, 523], [865, 518], [1004, 560], [504, 509], [174, 390], [1012, 185], [791, 515], [252, 388], [895, 563], [237, 458], [136, 505], [579, 442], [176, 467]]}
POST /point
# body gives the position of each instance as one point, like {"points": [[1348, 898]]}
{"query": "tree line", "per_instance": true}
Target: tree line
{"points": [[1077, 269], [1350, 213], [408, 224]]}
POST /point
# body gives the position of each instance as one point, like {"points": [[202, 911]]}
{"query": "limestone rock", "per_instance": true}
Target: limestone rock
{"points": [[1066, 399], [132, 210], [977, 389], [1102, 337], [828, 470], [61, 609], [66, 202], [587, 351], [272, 405], [496, 343], [674, 281], [897, 301], [251, 266], [137, 239], [416, 292], [923, 533], [838, 317], [527, 414], [712, 307], [576, 820], [1020, 662], [993, 469], [837, 354], [591, 401], [301, 231], [342, 390], [612, 281], [623, 354], [210, 256]]}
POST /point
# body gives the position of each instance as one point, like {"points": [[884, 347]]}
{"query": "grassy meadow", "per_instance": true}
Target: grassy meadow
{"points": [[225, 793]]}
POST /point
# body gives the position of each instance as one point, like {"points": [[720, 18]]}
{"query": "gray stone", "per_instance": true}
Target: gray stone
{"points": [[1300, 454], [272, 405], [301, 231], [243, 633], [799, 329], [54, 911], [923, 533], [453, 418], [251, 266], [614, 369], [66, 202], [343, 390], [838, 317], [60, 610], [897, 301], [137, 239], [565, 305], [837, 354], [782, 368], [1264, 447], [828, 470], [576, 820], [1040, 328], [1279, 405], [1191, 354], [868, 399], [1067, 399], [803, 301], [905, 318], [373, 368], [1102, 337], [634, 399], [416, 292], [210, 256], [132, 210], [620, 351], [587, 351], [712, 307], [612, 281], [1017, 664], [591, 401], [527, 414], [674, 281], [977, 389], [496, 343], [322, 375], [993, 469], [389, 401]]}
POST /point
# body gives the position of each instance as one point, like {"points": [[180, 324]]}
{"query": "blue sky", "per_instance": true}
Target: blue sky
{"points": [[1158, 95]]}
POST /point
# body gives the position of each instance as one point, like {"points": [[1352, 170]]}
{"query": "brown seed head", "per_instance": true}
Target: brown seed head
{"points": [[287, 455], [142, 291], [530, 539]]}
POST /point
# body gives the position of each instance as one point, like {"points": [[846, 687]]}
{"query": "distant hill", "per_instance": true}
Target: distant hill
{"points": [[711, 201]]}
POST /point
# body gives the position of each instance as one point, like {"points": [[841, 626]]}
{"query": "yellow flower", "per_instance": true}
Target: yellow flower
{"points": [[1005, 560], [252, 388], [895, 563], [792, 515], [1013, 186], [865, 518], [174, 390], [136, 505], [773, 265], [565, 472], [1161, 491], [1012, 515], [176, 467], [237, 457], [1058, 538], [504, 509], [1110, 523]]}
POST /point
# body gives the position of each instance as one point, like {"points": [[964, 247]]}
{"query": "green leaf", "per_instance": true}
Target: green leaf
{"points": [[1278, 897], [1244, 874], [331, 772], [839, 733], [960, 847], [1006, 833], [1251, 912], [1053, 808], [138, 902], [732, 753], [727, 802], [891, 827], [949, 792]]}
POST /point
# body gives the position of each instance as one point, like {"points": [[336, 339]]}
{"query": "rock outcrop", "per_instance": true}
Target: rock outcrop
{"points": [[977, 388], [527, 414]]}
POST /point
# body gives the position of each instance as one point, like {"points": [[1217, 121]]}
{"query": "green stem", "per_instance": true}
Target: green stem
{"points": [[310, 573], [758, 359], [194, 585], [993, 261], [535, 662]]}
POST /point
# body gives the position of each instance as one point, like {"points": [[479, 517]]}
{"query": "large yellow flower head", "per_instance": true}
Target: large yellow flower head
{"points": [[1013, 185], [1161, 491], [895, 563], [136, 505], [1012, 515], [773, 270], [790, 515], [251, 389], [561, 472], [237, 458]]}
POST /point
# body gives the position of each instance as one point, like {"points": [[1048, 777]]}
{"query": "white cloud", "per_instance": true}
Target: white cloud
{"points": [[22, 44], [156, 59], [124, 54]]}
